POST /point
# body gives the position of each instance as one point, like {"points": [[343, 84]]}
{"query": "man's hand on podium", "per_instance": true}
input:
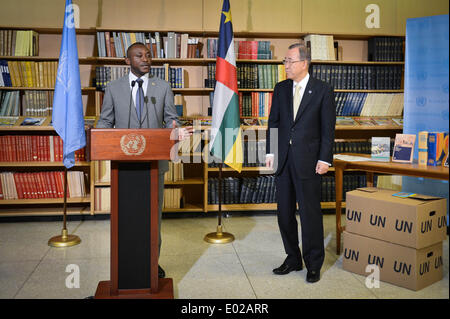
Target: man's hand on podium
{"points": [[182, 132]]}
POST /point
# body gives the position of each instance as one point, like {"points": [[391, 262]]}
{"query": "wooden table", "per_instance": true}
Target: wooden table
{"points": [[370, 167]]}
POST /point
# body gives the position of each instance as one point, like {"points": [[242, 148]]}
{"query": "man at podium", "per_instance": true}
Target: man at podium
{"points": [[141, 100]]}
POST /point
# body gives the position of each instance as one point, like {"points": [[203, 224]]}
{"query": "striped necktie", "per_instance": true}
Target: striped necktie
{"points": [[139, 98]]}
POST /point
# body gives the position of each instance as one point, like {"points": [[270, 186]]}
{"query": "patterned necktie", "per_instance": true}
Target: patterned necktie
{"points": [[139, 98], [296, 99]]}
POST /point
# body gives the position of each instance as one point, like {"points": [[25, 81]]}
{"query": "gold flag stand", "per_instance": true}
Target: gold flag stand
{"points": [[64, 240], [219, 237]]}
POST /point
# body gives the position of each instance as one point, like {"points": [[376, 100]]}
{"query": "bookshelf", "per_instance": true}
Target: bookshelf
{"points": [[196, 99]]}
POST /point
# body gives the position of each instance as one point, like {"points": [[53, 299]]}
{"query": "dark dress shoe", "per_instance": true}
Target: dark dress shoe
{"points": [[284, 269], [313, 276], [161, 272]]}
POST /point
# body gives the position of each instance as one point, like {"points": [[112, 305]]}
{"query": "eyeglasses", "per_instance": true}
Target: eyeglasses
{"points": [[286, 62]]}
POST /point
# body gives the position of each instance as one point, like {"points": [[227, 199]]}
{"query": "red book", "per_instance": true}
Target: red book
{"points": [[34, 148], [26, 185], [2, 149], [19, 187], [253, 50], [52, 182], [1, 189], [60, 184], [42, 185]]}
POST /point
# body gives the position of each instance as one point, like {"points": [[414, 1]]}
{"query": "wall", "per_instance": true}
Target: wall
{"points": [[294, 16]]}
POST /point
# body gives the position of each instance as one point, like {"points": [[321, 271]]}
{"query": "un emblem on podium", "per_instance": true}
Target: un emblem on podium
{"points": [[132, 144]]}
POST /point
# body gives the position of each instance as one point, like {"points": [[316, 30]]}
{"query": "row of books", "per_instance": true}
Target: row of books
{"points": [[244, 49], [19, 43], [251, 76], [106, 74], [42, 185], [350, 182], [29, 73], [388, 49], [171, 46], [173, 197], [102, 200], [369, 104], [175, 172], [359, 77], [321, 46], [254, 190], [34, 103], [355, 121], [31, 148], [254, 153], [255, 103], [9, 103], [102, 171], [360, 147]]}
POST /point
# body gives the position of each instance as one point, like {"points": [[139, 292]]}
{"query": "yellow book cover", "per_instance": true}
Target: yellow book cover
{"points": [[12, 71], [41, 74], [423, 148], [44, 75], [29, 75], [133, 37]]}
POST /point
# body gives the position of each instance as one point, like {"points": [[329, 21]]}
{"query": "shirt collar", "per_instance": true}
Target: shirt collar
{"points": [[133, 77], [303, 82]]}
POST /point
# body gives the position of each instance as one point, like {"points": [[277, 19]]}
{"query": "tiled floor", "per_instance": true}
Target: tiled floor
{"points": [[243, 269]]}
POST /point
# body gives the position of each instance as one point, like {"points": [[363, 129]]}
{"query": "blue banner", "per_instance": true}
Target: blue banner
{"points": [[67, 116], [426, 89]]}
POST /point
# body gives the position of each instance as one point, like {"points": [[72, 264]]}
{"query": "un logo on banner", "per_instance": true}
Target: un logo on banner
{"points": [[421, 101], [421, 76]]}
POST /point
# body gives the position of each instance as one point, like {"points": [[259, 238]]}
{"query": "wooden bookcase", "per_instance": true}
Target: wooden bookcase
{"points": [[196, 99]]}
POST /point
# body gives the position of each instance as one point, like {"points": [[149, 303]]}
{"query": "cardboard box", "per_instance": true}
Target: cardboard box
{"points": [[413, 222], [399, 265]]}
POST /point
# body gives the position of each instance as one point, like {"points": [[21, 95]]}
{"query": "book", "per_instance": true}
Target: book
{"points": [[436, 148], [8, 120], [404, 148], [345, 121], [367, 121], [381, 149], [33, 121], [398, 121], [423, 147]]}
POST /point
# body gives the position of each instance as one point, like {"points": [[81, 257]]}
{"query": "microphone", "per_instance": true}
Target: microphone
{"points": [[146, 110], [129, 104]]}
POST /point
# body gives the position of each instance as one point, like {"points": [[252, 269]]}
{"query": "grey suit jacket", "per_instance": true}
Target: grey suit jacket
{"points": [[116, 111]]}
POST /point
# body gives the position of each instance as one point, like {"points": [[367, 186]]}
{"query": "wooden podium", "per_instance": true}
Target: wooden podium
{"points": [[134, 155]]}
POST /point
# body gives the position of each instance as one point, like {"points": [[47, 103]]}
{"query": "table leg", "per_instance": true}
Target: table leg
{"points": [[338, 173], [369, 179]]}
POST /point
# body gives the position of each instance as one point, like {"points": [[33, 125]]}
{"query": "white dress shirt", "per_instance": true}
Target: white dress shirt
{"points": [[133, 77]]}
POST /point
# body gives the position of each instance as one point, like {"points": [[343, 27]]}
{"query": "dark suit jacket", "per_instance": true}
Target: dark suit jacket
{"points": [[312, 132]]}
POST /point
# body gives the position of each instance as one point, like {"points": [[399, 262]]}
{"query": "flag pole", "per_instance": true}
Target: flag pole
{"points": [[64, 240], [219, 237]]}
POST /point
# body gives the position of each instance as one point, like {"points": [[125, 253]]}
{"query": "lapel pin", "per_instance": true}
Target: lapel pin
{"points": [[153, 83], [309, 91]]}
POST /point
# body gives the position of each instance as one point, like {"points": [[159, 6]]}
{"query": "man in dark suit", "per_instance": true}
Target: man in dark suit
{"points": [[125, 107], [304, 115]]}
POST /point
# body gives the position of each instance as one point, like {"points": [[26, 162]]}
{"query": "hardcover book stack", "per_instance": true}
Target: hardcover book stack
{"points": [[29, 73], [321, 46], [34, 148], [359, 77], [251, 76], [42, 185], [245, 49], [19, 43], [388, 49], [369, 104], [170, 46]]}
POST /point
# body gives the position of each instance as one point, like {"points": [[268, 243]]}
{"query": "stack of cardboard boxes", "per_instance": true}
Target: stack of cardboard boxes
{"points": [[402, 236]]}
